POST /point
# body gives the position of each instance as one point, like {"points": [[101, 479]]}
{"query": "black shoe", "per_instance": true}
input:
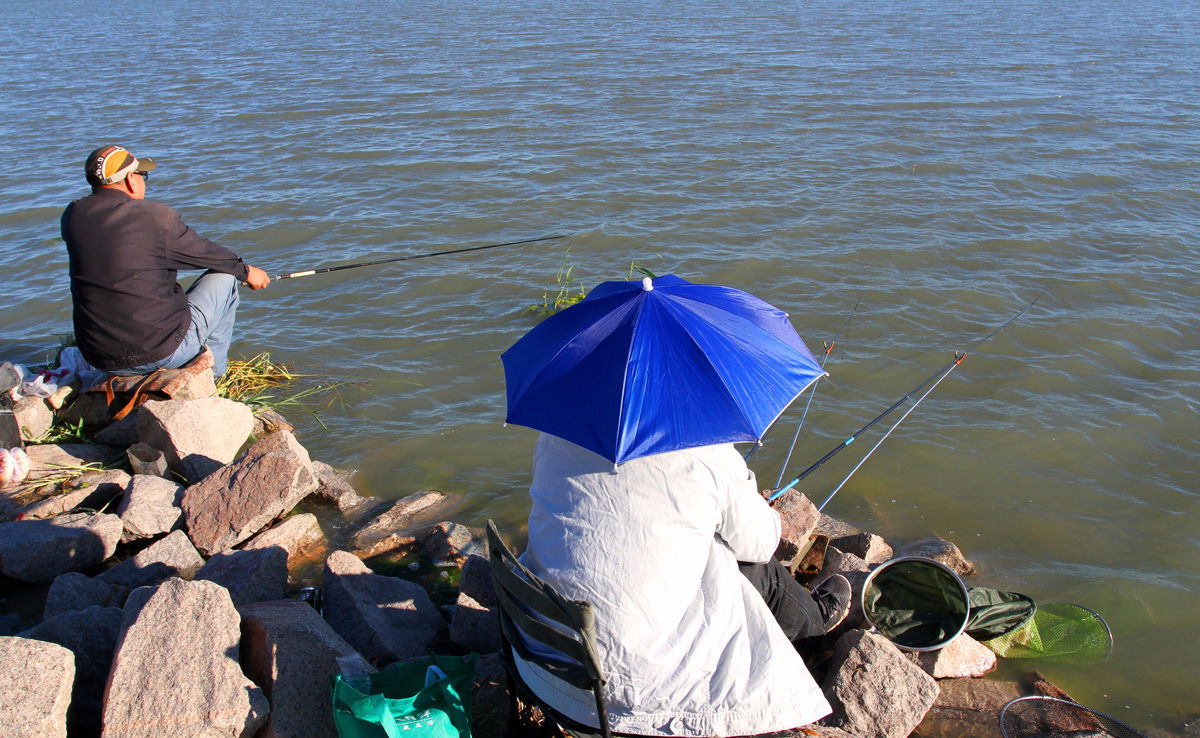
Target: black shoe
{"points": [[832, 596]]}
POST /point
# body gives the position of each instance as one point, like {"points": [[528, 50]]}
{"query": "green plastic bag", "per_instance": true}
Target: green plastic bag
{"points": [[426, 698]]}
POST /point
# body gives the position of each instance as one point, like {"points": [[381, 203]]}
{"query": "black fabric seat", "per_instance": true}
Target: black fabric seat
{"points": [[532, 610]]}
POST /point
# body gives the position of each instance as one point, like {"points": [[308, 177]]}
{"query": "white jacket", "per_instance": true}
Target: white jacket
{"points": [[688, 646]]}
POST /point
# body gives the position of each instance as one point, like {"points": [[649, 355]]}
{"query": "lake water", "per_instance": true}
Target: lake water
{"points": [[944, 162]]}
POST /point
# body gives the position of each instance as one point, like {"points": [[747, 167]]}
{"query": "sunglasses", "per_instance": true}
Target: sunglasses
{"points": [[145, 176]]}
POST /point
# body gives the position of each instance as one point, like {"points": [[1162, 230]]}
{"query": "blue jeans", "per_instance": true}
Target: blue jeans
{"points": [[213, 300]]}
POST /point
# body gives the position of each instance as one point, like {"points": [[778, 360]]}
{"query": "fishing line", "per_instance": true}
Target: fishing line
{"points": [[323, 270], [895, 425], [937, 375], [828, 350]]}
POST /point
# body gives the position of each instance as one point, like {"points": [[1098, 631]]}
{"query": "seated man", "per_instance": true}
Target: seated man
{"points": [[689, 645], [131, 316]]}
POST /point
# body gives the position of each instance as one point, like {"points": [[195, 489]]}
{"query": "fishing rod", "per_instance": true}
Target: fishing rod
{"points": [[938, 375], [323, 270], [828, 350]]}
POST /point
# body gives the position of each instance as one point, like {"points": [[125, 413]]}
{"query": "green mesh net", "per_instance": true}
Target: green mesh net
{"points": [[1059, 630]]}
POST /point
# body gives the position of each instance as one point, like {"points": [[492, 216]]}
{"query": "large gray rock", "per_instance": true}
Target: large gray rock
{"points": [[939, 549], [395, 528], [37, 687], [874, 690], [250, 576], [869, 547], [168, 557], [176, 668], [49, 459], [476, 622], [449, 543], [292, 653], [34, 417], [386, 619], [39, 550], [295, 534], [74, 591], [241, 499], [122, 433], [91, 635], [962, 657], [335, 487], [150, 507], [91, 490], [197, 436], [799, 519]]}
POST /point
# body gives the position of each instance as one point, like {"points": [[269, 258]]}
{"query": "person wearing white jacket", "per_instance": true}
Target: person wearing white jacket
{"points": [[689, 646]]}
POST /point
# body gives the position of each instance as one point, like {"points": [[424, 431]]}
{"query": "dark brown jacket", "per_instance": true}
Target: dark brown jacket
{"points": [[125, 255]]}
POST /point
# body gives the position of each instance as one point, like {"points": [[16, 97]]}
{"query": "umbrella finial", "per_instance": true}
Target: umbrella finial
{"points": [[647, 284]]}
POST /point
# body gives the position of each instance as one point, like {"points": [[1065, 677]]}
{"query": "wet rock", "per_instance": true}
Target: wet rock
{"points": [[37, 687], [962, 657], [250, 576], [386, 619], [168, 557], [335, 487], [91, 490], [449, 544], [875, 691], [268, 420], [799, 519], [150, 507], [40, 550], [292, 653], [239, 500], [968, 708], [197, 436], [476, 622], [941, 550], [835, 528], [295, 534], [394, 528], [74, 591], [34, 417], [196, 687], [866, 546], [91, 635]]}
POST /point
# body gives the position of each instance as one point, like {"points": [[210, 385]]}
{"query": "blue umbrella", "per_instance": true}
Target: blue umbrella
{"points": [[639, 368]]}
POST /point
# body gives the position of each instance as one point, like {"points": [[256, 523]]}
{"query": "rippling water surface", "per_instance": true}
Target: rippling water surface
{"points": [[945, 162]]}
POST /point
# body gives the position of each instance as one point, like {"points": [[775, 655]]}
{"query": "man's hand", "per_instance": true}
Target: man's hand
{"points": [[256, 278]]}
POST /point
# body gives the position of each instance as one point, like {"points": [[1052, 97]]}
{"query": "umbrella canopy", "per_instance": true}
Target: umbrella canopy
{"points": [[639, 368]]}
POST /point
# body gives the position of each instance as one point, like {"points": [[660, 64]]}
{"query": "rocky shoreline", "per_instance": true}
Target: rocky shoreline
{"points": [[174, 602]]}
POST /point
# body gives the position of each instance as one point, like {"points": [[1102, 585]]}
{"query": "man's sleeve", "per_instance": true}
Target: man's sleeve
{"points": [[185, 249], [749, 525]]}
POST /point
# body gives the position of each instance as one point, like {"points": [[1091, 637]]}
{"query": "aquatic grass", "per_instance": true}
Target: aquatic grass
{"points": [[253, 381], [565, 295]]}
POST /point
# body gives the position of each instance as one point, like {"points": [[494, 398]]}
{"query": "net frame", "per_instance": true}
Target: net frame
{"points": [[1043, 716]]}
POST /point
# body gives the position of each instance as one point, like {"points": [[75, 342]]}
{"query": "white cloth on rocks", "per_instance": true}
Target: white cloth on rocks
{"points": [[687, 644]]}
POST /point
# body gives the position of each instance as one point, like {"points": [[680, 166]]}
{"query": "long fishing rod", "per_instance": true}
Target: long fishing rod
{"points": [[828, 350], [323, 270], [938, 375]]}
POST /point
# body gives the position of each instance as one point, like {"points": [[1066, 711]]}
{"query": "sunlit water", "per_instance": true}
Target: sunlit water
{"points": [[944, 162]]}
